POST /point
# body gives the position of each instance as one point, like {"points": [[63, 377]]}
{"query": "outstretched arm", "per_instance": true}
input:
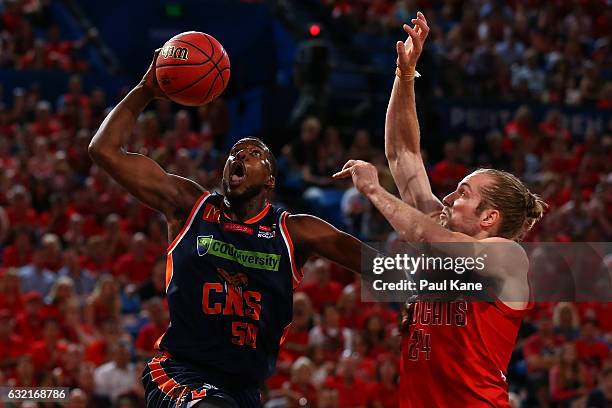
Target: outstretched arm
{"points": [[138, 174], [313, 236], [506, 260], [402, 135]]}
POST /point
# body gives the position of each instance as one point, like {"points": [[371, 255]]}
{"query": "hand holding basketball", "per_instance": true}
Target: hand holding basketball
{"points": [[192, 68], [149, 81]]}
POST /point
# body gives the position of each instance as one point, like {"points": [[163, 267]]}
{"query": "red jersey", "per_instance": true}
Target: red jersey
{"points": [[456, 354]]}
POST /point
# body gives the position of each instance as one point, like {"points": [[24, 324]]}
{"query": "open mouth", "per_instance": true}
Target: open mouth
{"points": [[237, 173]]}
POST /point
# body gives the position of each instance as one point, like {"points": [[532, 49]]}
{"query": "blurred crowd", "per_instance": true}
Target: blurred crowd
{"points": [[31, 40], [524, 50]]}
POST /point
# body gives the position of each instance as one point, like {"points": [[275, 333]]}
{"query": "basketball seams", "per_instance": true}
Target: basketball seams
{"points": [[194, 82], [210, 57], [212, 91]]}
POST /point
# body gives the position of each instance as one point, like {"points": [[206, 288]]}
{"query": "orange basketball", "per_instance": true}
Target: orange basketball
{"points": [[192, 68]]}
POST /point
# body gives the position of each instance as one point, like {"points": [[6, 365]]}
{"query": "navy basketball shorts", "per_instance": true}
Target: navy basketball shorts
{"points": [[170, 383]]}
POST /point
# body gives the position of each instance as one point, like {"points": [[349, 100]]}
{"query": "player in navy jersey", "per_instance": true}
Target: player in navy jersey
{"points": [[232, 265]]}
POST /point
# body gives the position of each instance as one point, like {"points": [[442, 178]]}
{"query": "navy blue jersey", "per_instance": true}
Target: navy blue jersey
{"points": [[230, 288]]}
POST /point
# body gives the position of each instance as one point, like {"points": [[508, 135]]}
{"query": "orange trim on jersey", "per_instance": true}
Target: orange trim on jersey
{"points": [[285, 333], [297, 274], [158, 342], [188, 222], [259, 216], [169, 270], [160, 377]]}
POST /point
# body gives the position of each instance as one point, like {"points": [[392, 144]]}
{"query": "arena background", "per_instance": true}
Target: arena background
{"points": [[521, 85]]}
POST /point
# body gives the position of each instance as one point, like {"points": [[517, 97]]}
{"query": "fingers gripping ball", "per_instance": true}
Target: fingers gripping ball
{"points": [[192, 68]]}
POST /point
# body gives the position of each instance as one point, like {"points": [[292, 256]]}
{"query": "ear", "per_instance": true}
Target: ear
{"points": [[271, 182], [489, 218]]}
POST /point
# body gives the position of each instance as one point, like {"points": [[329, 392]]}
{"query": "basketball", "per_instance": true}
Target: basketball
{"points": [[192, 68]]}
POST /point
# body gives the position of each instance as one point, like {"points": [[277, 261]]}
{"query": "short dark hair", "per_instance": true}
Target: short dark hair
{"points": [[258, 141]]}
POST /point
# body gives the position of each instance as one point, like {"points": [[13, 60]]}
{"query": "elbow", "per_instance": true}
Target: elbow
{"points": [[95, 152], [98, 154]]}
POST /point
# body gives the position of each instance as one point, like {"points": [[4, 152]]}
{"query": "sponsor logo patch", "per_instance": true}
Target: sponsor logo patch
{"points": [[207, 245], [238, 228]]}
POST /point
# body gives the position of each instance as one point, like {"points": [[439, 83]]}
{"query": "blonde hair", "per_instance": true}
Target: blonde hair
{"points": [[519, 207]]}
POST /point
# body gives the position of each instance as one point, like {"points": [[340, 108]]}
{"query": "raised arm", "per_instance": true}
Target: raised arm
{"points": [[138, 174], [402, 135]]}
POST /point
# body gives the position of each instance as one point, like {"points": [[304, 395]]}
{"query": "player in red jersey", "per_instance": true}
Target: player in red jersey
{"points": [[454, 354]]}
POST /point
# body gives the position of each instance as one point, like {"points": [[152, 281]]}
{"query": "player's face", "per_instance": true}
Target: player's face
{"points": [[247, 171], [460, 206]]}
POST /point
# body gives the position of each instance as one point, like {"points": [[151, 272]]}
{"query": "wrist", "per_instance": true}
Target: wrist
{"points": [[372, 190], [408, 73], [145, 90]]}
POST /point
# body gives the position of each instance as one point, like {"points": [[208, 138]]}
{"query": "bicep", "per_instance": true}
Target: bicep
{"points": [[146, 180]]}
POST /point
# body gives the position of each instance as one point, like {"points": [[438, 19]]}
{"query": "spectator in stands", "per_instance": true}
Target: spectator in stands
{"points": [[19, 253], [569, 379], [447, 173], [385, 393], [540, 351], [592, 350], [136, 265], [10, 291], [24, 374], [19, 210], [296, 338], [83, 280], [565, 321], [328, 397], [11, 345], [52, 252], [601, 397], [34, 276], [151, 332], [346, 382], [104, 304], [117, 376], [321, 289], [154, 285], [329, 335], [77, 399]]}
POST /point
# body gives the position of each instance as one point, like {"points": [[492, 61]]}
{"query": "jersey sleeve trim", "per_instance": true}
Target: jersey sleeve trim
{"points": [[194, 210], [297, 273]]}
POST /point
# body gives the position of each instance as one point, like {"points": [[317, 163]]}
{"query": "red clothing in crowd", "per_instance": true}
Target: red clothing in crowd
{"points": [[593, 354], [25, 216], [387, 396], [446, 172], [536, 344], [137, 270], [12, 347], [148, 335], [350, 395], [320, 296]]}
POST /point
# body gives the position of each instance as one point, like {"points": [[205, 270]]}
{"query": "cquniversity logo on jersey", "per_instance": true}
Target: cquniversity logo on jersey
{"points": [[206, 244], [203, 244]]}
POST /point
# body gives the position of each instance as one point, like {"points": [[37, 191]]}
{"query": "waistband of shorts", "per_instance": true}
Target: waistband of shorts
{"points": [[217, 377]]}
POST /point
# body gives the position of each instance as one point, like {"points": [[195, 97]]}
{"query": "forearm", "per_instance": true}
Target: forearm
{"points": [[401, 123], [116, 127], [411, 224]]}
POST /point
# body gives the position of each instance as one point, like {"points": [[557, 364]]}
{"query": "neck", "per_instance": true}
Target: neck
{"points": [[243, 210]]}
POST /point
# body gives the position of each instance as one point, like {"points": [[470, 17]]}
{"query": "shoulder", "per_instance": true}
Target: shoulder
{"points": [[504, 250]]}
